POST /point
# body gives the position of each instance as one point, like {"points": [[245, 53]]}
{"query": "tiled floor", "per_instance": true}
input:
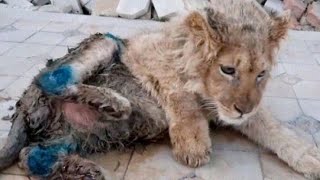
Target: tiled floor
{"points": [[27, 39]]}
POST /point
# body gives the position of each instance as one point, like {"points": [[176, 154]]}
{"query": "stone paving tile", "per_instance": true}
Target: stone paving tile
{"points": [[307, 124], [91, 29], [274, 169], [60, 27], [5, 81], [283, 109], [73, 40], [314, 46], [156, 162], [277, 70], [304, 35], [304, 72], [35, 70], [4, 111], [58, 51], [5, 46], [231, 165], [317, 57], [311, 108], [316, 137], [15, 35], [277, 88], [16, 89], [29, 25], [6, 21], [114, 163], [14, 66], [295, 46], [29, 50], [14, 169], [47, 38], [12, 177], [3, 137], [307, 90], [228, 139], [297, 57]]}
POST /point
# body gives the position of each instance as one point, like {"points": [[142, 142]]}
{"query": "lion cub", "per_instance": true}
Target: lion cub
{"points": [[221, 55]]}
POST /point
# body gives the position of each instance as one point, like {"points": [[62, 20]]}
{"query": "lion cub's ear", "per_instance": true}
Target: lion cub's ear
{"points": [[199, 28], [279, 27]]}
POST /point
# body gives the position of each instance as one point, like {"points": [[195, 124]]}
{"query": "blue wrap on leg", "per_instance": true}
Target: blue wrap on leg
{"points": [[41, 159], [56, 81]]}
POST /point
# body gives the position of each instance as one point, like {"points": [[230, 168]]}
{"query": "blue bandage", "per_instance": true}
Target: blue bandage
{"points": [[56, 81]]}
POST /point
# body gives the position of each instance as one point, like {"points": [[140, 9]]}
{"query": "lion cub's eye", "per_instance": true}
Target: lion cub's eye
{"points": [[228, 70], [261, 75]]}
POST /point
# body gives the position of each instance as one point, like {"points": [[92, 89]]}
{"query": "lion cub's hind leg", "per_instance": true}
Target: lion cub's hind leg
{"points": [[108, 104], [58, 161]]}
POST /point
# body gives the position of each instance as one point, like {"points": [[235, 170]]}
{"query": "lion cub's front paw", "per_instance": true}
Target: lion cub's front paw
{"points": [[309, 164], [193, 151]]}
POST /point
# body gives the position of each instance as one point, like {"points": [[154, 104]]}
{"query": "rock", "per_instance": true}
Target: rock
{"points": [[56, 9], [89, 6], [275, 5], [105, 8], [297, 7], [19, 3], [62, 4], [132, 9], [195, 4], [148, 15], [294, 24], [40, 2], [84, 2], [168, 8], [313, 14]]}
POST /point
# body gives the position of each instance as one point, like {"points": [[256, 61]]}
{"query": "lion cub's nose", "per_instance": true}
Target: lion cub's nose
{"points": [[242, 109]]}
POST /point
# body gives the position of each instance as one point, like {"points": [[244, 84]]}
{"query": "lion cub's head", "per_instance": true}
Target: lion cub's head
{"points": [[238, 43]]}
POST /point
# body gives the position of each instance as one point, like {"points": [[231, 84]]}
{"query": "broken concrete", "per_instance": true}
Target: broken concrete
{"points": [[313, 14], [195, 4], [40, 2], [275, 5], [132, 9], [105, 8], [62, 4], [56, 9], [19, 3], [297, 7], [168, 8]]}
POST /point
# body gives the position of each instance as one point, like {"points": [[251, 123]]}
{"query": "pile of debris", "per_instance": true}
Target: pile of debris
{"points": [[305, 13], [131, 9]]}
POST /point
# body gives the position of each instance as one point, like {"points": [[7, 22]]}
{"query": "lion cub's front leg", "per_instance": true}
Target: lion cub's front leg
{"points": [[299, 154], [189, 130]]}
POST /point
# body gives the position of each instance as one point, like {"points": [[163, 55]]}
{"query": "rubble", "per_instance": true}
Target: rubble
{"points": [[305, 13], [168, 8], [19, 3], [56, 9], [62, 4], [297, 7], [105, 8], [40, 2], [132, 9], [313, 14]]}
